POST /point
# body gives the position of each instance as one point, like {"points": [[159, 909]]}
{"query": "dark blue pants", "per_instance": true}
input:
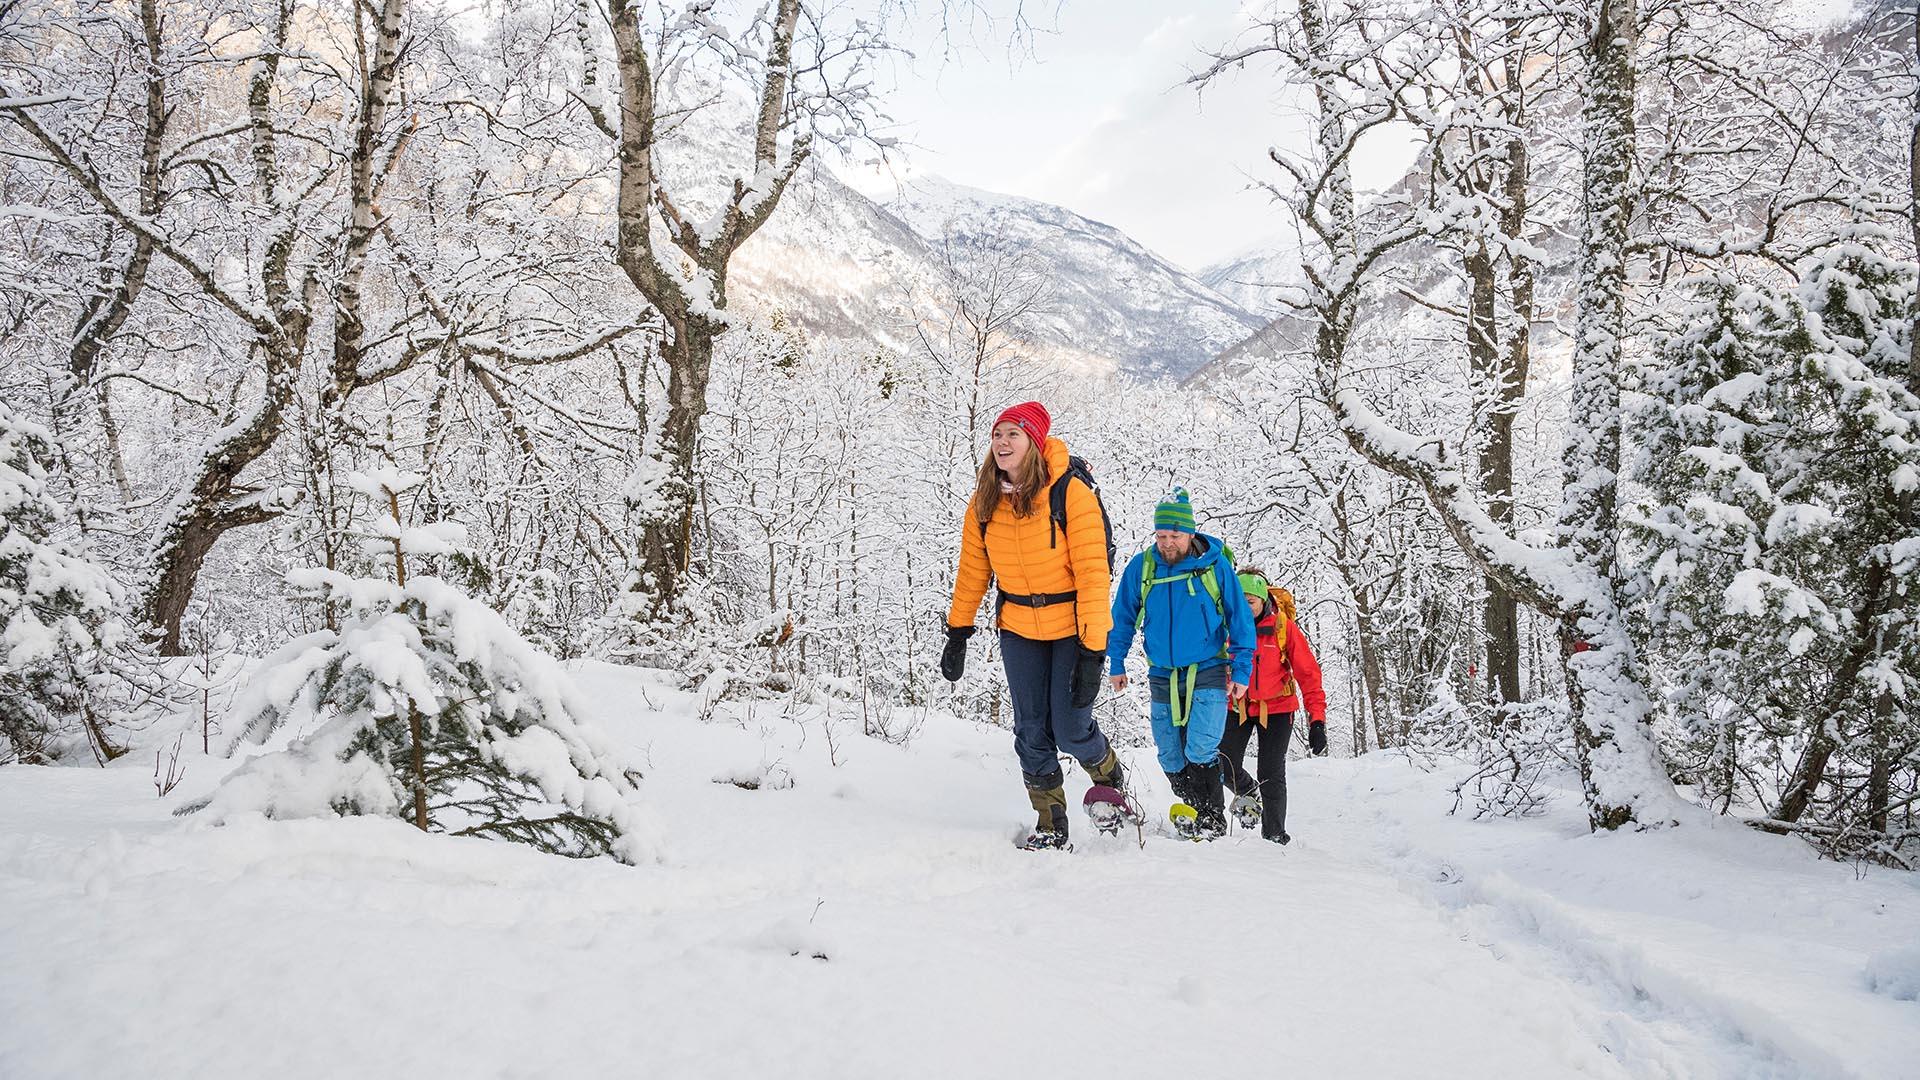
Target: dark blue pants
{"points": [[1040, 679]]}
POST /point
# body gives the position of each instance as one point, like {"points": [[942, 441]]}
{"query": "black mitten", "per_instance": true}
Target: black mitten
{"points": [[1086, 676], [953, 658]]}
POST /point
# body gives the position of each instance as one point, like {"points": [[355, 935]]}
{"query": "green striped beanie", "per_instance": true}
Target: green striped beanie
{"points": [[1174, 512]]}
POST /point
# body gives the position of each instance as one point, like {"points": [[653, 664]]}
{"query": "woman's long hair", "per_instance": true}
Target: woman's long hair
{"points": [[1026, 486]]}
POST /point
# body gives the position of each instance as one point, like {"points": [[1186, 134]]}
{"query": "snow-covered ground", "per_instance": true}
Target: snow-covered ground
{"points": [[873, 919]]}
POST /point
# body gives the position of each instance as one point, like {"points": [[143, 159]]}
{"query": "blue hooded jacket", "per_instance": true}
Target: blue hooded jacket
{"points": [[1184, 625]]}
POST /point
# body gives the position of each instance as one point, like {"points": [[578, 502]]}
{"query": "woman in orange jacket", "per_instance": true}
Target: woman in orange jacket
{"points": [[1052, 609]]}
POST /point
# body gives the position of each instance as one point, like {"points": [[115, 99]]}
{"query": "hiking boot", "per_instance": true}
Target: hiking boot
{"points": [[1108, 772], [1209, 800], [1049, 799], [1182, 792]]}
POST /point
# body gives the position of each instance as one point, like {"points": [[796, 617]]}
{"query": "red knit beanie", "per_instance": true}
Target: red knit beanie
{"points": [[1030, 417]]}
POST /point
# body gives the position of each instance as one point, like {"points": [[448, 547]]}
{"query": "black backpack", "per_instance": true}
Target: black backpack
{"points": [[1057, 506]]}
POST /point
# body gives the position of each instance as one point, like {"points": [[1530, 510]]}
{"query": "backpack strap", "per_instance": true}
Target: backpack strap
{"points": [[1147, 578], [1182, 709], [1291, 687], [1211, 582]]}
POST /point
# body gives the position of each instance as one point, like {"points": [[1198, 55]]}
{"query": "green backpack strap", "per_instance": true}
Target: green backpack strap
{"points": [[1146, 586], [1210, 580]]}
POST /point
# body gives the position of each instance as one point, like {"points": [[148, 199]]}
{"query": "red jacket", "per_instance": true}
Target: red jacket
{"points": [[1283, 674]]}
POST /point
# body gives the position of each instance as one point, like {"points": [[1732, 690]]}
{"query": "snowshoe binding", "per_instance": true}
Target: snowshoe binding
{"points": [[1246, 811], [1186, 821], [1110, 809], [1044, 840]]}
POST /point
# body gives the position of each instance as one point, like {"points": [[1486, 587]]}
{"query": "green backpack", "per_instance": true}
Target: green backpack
{"points": [[1149, 577]]}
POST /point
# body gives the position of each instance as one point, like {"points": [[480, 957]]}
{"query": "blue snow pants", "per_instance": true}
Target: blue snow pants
{"points": [[1198, 741]]}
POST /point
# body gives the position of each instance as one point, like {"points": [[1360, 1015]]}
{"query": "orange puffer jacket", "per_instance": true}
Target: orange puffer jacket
{"points": [[1017, 552]]}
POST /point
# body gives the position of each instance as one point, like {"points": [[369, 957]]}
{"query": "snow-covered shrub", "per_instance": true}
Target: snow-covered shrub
{"points": [[57, 616], [765, 776], [1515, 749], [425, 705]]}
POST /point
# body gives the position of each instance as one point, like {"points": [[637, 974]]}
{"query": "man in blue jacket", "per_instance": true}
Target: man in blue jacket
{"points": [[1184, 598]]}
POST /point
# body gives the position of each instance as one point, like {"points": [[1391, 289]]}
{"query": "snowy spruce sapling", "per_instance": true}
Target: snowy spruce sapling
{"points": [[58, 616], [426, 706]]}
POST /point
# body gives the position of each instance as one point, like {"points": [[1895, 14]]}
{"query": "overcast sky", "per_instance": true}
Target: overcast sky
{"points": [[1097, 119]]}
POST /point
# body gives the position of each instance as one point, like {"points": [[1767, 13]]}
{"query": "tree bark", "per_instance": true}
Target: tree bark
{"points": [[377, 75], [1811, 770], [206, 510], [416, 732], [1913, 210], [103, 313], [1502, 613], [1604, 683], [666, 533]]}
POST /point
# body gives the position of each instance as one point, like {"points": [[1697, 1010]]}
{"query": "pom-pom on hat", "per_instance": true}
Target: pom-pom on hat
{"points": [[1175, 512], [1030, 417]]}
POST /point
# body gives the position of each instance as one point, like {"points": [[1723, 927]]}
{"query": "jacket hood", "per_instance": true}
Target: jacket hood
{"points": [[1197, 559], [1055, 455]]}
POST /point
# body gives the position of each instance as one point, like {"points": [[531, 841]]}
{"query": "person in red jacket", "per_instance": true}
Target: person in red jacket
{"points": [[1284, 674]]}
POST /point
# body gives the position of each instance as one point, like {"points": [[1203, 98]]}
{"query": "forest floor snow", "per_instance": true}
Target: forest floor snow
{"points": [[873, 919]]}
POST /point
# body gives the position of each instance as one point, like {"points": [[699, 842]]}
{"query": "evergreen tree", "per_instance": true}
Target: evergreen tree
{"points": [[57, 615], [425, 705], [1780, 450]]}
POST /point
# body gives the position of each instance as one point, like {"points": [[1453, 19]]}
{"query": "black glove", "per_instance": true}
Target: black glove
{"points": [[1317, 738], [1086, 676], [953, 658]]}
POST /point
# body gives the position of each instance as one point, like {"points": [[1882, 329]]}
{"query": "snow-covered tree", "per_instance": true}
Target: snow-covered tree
{"points": [[1360, 63], [810, 79], [1779, 446], [58, 615], [426, 706]]}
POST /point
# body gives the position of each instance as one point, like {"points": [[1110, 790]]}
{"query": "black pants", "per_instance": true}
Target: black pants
{"points": [[1271, 764]]}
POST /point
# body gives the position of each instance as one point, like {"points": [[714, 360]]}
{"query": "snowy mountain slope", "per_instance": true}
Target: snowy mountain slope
{"points": [[1111, 296], [1253, 278], [846, 266], [873, 920], [835, 262]]}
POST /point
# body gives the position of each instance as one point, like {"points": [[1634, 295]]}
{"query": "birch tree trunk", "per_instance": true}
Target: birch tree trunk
{"points": [[692, 304], [1611, 706]]}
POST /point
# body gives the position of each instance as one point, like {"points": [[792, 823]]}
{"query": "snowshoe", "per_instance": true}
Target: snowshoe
{"points": [[1109, 808], [1246, 811], [1044, 840], [1186, 821]]}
